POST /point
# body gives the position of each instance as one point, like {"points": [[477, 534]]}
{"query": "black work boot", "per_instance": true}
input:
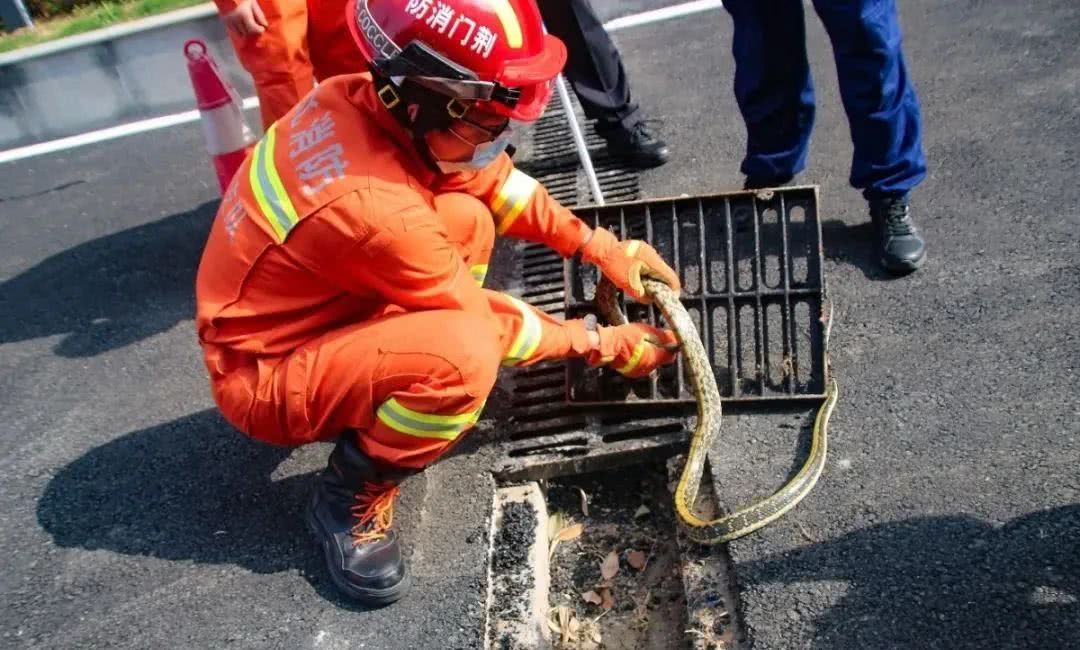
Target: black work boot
{"points": [[761, 183], [900, 247], [636, 145], [351, 512]]}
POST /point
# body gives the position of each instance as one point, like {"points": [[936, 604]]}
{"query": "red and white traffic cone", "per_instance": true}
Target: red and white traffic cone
{"points": [[228, 136]]}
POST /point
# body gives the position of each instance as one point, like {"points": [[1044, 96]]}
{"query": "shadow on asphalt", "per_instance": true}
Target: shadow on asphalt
{"points": [[854, 246], [949, 579], [192, 490], [112, 291]]}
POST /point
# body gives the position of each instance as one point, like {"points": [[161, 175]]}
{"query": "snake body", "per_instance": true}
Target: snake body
{"points": [[760, 513]]}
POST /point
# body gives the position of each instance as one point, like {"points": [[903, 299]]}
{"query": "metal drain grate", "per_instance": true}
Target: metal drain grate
{"points": [[549, 156], [765, 329], [548, 436], [751, 267]]}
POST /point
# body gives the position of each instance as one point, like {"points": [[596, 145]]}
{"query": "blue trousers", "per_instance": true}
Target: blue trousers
{"points": [[776, 94]]}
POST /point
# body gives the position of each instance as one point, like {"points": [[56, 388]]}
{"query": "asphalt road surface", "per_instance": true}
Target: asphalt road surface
{"points": [[949, 516]]}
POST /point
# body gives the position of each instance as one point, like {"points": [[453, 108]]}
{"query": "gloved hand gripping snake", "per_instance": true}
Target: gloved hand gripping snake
{"points": [[744, 520]]}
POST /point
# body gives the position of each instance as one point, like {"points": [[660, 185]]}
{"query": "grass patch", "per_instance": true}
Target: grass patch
{"points": [[87, 19]]}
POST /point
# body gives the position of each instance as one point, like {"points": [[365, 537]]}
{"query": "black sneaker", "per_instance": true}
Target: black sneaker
{"points": [[636, 145], [900, 247], [351, 512]]}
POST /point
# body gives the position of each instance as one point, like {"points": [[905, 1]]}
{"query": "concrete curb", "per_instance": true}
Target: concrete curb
{"points": [[107, 77], [524, 625]]}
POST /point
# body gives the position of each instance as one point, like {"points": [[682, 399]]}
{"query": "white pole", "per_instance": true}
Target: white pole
{"points": [[579, 141]]}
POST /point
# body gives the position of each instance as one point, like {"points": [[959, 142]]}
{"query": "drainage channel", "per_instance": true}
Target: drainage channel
{"points": [[549, 438], [595, 561], [617, 573]]}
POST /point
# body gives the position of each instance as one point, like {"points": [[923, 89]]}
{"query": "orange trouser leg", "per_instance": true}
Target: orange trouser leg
{"points": [[470, 227], [278, 59], [409, 384]]}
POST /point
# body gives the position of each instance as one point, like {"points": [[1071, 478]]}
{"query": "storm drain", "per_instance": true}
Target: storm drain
{"points": [[548, 155], [549, 437], [751, 267]]}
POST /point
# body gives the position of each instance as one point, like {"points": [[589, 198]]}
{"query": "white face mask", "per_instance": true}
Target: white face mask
{"points": [[483, 154]]}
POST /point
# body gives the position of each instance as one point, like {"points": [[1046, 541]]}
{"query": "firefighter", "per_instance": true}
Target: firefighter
{"points": [[776, 97], [594, 69], [340, 298], [270, 39]]}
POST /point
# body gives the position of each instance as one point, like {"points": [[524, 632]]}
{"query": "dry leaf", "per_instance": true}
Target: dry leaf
{"points": [[595, 635], [556, 522], [607, 601], [570, 533], [636, 559], [610, 566], [564, 535], [641, 511], [584, 502], [592, 597]]}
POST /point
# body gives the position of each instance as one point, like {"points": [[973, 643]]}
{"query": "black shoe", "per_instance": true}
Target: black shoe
{"points": [[636, 145], [351, 512], [761, 183], [900, 247]]}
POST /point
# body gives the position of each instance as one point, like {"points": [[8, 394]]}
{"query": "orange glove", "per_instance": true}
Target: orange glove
{"points": [[625, 262], [634, 349]]}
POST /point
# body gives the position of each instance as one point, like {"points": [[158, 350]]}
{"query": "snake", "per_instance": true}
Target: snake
{"points": [[758, 514]]}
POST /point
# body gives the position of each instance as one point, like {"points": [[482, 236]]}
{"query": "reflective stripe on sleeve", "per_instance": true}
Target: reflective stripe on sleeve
{"points": [[510, 201], [270, 194], [528, 337]]}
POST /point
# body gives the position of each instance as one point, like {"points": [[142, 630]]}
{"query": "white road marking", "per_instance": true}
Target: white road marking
{"points": [[166, 121]]}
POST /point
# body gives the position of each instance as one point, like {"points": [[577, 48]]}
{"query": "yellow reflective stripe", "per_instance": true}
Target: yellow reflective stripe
{"points": [[632, 248], [403, 419], [509, 21], [511, 199], [528, 337], [479, 272], [266, 185], [256, 189], [635, 358]]}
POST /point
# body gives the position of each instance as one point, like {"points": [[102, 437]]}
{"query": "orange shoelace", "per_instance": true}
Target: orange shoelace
{"points": [[374, 511]]}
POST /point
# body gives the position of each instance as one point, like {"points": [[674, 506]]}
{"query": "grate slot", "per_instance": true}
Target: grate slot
{"points": [[573, 447], [642, 432], [540, 433]]}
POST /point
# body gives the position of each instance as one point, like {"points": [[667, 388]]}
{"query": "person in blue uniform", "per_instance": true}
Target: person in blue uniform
{"points": [[776, 98]]}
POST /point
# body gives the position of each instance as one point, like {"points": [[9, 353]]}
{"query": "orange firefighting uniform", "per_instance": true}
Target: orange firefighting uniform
{"points": [[340, 288], [277, 59], [303, 42]]}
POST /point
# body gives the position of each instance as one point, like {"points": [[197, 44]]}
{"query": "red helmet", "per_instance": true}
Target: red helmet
{"points": [[490, 51]]}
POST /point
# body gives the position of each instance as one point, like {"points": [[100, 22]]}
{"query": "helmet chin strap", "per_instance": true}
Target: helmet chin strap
{"points": [[432, 112]]}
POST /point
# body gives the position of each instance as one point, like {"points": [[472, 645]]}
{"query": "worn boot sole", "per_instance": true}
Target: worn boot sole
{"points": [[370, 597]]}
